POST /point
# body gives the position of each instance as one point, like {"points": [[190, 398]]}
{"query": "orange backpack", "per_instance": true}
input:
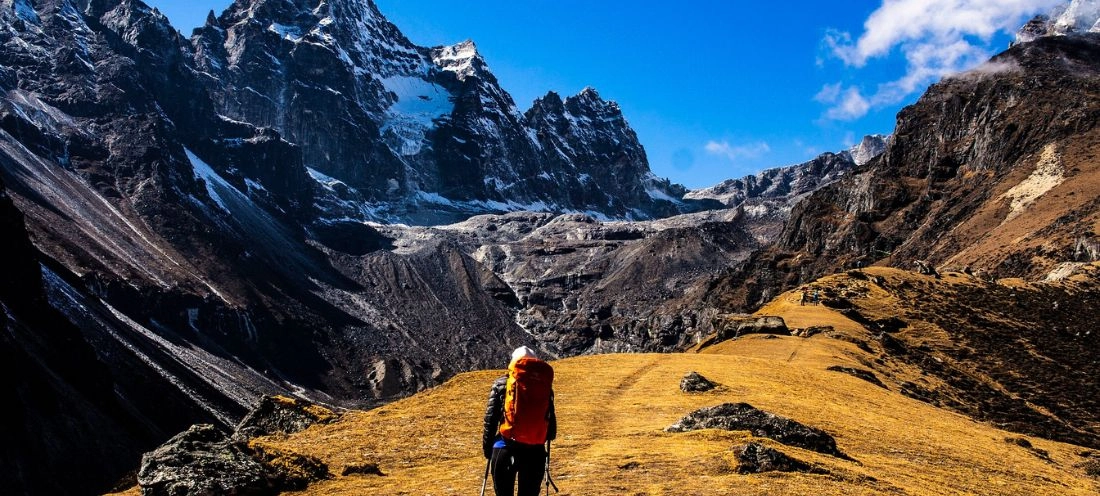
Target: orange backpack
{"points": [[527, 401]]}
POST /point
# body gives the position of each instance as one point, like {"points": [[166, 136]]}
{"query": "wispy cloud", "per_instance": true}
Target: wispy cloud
{"points": [[846, 104], [936, 37], [735, 152]]}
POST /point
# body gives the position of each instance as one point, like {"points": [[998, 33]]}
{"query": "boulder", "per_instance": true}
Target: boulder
{"points": [[281, 414], [693, 382], [735, 326], [745, 417], [204, 461], [755, 458]]}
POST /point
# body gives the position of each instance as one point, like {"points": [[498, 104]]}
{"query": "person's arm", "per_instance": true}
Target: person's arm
{"points": [[493, 412], [552, 430]]}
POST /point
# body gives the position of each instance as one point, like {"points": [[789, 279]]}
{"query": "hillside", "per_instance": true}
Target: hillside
{"points": [[993, 170], [613, 409]]}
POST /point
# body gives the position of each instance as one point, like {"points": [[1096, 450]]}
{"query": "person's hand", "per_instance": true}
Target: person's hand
{"points": [[488, 451]]}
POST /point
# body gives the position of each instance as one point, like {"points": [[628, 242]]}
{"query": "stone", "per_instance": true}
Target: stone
{"points": [[745, 417], [757, 458], [203, 461], [206, 461], [282, 415], [694, 382], [735, 326]]}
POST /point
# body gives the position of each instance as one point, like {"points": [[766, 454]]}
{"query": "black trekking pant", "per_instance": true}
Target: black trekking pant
{"points": [[523, 460]]}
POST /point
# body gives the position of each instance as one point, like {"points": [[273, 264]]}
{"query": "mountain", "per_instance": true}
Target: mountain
{"points": [[989, 171], [784, 186], [195, 260], [769, 196], [1077, 16], [187, 223], [580, 286], [418, 134]]}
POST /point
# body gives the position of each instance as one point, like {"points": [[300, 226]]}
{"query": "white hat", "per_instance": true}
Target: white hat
{"points": [[523, 352]]}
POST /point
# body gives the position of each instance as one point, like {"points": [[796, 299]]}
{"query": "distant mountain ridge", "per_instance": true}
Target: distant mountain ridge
{"points": [[792, 182]]}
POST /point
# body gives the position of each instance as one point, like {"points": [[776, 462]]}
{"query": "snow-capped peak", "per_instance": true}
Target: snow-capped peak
{"points": [[460, 58], [1078, 16], [870, 147]]}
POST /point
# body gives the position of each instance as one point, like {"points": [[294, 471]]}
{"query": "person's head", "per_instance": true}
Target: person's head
{"points": [[521, 352]]}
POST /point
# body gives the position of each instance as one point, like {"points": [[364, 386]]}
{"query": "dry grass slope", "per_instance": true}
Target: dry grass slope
{"points": [[613, 409]]}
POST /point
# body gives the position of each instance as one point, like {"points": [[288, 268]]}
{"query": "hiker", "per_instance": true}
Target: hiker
{"points": [[519, 423], [817, 296], [802, 300]]}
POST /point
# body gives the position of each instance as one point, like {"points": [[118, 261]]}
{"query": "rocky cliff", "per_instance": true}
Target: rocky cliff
{"points": [[990, 171]]}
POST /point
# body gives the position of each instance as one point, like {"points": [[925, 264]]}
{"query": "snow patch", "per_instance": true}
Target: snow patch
{"points": [[417, 106], [458, 58], [289, 33], [213, 181]]}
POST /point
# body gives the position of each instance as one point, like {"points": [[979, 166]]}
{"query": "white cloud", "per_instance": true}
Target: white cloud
{"points": [[937, 38], [735, 152], [845, 104]]}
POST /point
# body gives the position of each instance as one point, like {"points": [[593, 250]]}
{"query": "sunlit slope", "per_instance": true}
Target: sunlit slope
{"points": [[613, 410]]}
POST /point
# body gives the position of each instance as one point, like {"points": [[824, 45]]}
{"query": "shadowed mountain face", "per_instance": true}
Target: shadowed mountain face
{"points": [[992, 170]]}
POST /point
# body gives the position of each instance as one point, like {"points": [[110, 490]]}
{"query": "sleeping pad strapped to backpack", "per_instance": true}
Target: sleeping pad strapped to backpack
{"points": [[527, 401]]}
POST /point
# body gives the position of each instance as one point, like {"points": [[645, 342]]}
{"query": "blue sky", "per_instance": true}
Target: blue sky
{"points": [[716, 89]]}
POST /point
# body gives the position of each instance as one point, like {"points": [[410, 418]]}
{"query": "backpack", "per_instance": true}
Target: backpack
{"points": [[527, 401]]}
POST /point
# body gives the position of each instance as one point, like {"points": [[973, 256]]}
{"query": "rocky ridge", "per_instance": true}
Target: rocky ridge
{"points": [[417, 134]]}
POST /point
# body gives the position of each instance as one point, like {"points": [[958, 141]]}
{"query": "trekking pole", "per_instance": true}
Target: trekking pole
{"points": [[549, 480], [486, 479]]}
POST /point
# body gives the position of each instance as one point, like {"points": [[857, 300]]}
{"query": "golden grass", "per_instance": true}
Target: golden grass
{"points": [[613, 409]]}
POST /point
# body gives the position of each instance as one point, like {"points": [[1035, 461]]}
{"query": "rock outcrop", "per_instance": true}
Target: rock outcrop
{"points": [[756, 458], [744, 417], [693, 382], [204, 460], [281, 414]]}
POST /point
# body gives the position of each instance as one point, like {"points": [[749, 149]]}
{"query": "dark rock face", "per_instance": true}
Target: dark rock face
{"points": [[756, 458], [694, 382], [204, 460], [62, 413], [744, 417]]}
